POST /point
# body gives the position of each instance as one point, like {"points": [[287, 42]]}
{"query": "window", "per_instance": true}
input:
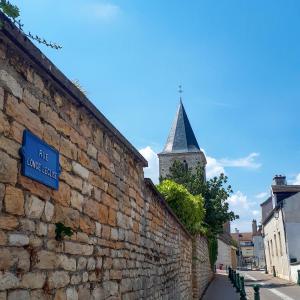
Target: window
{"points": [[272, 250], [186, 166], [269, 253], [246, 243], [275, 241], [280, 244]]}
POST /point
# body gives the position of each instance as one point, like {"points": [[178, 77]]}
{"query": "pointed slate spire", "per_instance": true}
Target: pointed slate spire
{"points": [[181, 137]]}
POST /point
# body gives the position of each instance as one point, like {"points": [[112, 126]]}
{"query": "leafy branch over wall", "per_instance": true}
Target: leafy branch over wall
{"points": [[13, 13]]}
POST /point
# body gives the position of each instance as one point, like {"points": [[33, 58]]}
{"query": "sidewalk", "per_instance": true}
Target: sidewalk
{"points": [[221, 288]]}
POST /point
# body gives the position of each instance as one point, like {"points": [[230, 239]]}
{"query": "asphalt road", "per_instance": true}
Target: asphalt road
{"points": [[271, 288]]}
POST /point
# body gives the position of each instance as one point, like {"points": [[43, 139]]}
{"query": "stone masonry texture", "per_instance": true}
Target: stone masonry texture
{"points": [[202, 274], [192, 159], [127, 243]]}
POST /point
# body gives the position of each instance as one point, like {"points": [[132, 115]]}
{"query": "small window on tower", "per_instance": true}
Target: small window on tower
{"points": [[186, 166]]}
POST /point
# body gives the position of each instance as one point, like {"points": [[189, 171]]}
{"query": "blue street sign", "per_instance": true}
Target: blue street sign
{"points": [[40, 161]]}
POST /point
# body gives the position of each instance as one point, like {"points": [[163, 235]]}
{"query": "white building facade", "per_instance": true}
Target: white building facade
{"points": [[224, 255], [281, 231], [226, 250]]}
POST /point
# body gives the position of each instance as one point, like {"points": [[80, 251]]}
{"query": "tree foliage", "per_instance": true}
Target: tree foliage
{"points": [[61, 230], [212, 249], [215, 192], [188, 208], [9, 9], [13, 13]]}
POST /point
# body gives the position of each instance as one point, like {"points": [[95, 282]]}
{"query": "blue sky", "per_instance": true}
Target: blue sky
{"points": [[238, 62]]}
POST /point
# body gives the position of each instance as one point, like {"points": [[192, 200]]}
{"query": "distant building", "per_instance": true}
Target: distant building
{"points": [[281, 229], [246, 246], [227, 252], [258, 246]]}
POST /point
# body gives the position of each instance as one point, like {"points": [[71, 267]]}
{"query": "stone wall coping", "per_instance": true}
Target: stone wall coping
{"points": [[164, 203], [50, 71]]}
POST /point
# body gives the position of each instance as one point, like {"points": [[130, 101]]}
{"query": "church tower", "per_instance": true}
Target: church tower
{"points": [[181, 145]]}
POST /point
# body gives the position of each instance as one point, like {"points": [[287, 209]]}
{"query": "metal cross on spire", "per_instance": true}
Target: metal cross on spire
{"points": [[180, 91]]}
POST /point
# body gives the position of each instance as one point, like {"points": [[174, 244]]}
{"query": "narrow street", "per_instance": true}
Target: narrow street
{"points": [[272, 288], [221, 288]]}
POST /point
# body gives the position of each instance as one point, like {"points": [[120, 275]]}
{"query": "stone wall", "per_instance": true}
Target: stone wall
{"points": [[202, 273], [127, 243]]}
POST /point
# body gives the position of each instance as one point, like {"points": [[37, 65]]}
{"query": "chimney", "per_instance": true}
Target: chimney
{"points": [[254, 227], [236, 230], [226, 227], [279, 180]]}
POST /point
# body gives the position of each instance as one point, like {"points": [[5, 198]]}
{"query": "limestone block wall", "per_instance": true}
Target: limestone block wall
{"points": [[202, 273], [127, 243]]}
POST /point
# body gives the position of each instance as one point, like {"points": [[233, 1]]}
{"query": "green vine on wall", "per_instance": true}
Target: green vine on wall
{"points": [[213, 250], [13, 13], [61, 230]]}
